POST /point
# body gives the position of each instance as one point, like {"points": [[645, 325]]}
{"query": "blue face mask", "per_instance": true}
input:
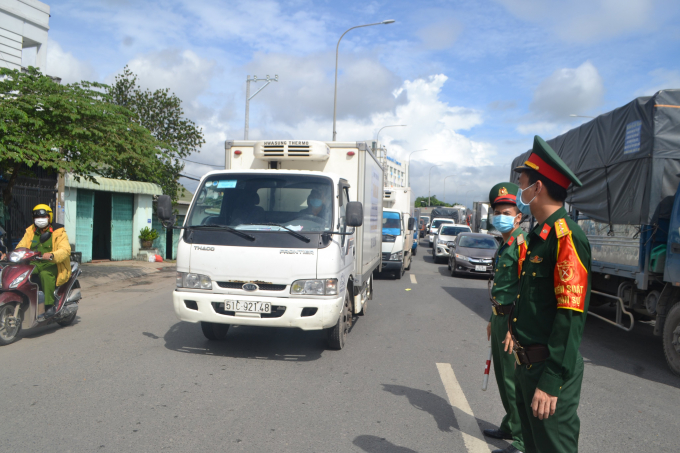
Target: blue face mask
{"points": [[315, 202], [503, 223], [521, 205]]}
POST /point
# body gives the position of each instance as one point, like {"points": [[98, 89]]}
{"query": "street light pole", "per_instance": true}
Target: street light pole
{"points": [[249, 97], [337, 48], [471, 190], [429, 184], [377, 137], [409, 164], [450, 176], [580, 116]]}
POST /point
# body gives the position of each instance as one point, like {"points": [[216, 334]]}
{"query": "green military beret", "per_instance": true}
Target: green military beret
{"points": [[503, 192], [546, 162]]}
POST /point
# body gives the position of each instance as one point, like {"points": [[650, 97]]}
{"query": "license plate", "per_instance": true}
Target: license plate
{"points": [[247, 306], [480, 268]]}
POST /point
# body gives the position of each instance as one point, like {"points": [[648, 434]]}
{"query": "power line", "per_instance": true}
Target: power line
{"points": [[201, 163], [189, 177]]}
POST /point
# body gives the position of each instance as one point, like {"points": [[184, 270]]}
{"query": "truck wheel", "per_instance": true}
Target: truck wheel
{"points": [[410, 261], [9, 325], [400, 272], [338, 334], [214, 331], [671, 338]]}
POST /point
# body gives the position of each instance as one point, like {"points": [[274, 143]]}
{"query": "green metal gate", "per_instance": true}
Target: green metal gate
{"points": [[84, 219], [159, 243], [121, 226]]}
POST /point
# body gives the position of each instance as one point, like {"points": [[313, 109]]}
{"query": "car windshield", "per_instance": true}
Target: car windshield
{"points": [[453, 230], [254, 201], [391, 223], [476, 242], [436, 223]]}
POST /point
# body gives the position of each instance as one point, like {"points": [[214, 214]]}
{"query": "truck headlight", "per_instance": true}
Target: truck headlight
{"points": [[441, 241], [462, 257], [397, 256], [189, 280], [323, 287]]}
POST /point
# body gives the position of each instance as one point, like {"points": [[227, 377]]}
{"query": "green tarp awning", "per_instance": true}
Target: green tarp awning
{"points": [[114, 185]]}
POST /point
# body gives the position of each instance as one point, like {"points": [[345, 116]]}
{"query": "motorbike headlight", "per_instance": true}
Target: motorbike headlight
{"points": [[17, 256], [327, 287], [19, 279], [189, 280], [397, 256], [462, 257]]}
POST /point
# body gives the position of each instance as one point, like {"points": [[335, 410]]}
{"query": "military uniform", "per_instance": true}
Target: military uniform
{"points": [[549, 317], [508, 267]]}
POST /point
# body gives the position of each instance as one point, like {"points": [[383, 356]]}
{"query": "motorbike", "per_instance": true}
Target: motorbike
{"points": [[22, 303]]}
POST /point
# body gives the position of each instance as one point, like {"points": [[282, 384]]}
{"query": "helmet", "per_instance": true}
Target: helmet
{"points": [[42, 210]]}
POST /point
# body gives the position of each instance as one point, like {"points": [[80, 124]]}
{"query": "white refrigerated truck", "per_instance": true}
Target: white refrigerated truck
{"points": [[397, 232], [287, 236]]}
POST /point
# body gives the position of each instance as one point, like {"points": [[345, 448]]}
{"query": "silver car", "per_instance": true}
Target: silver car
{"points": [[434, 228], [444, 239]]}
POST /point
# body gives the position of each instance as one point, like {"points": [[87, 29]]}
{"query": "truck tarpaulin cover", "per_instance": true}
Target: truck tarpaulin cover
{"points": [[628, 159]]}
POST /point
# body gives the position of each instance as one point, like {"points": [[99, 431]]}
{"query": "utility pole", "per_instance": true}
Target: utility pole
{"points": [[429, 184], [249, 97]]}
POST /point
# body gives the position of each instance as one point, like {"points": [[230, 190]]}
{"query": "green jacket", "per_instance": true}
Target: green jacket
{"points": [[508, 265], [553, 297]]}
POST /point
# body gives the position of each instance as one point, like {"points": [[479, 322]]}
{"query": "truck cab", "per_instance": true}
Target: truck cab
{"points": [[276, 247]]}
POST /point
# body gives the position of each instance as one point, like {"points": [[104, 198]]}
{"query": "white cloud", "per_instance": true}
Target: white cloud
{"points": [[588, 20], [567, 91], [661, 79], [64, 65]]}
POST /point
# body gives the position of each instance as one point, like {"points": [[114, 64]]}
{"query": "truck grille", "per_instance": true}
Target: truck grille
{"points": [[263, 286]]}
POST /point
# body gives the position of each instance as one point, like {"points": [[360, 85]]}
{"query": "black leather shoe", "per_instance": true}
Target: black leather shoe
{"points": [[508, 449], [497, 434]]}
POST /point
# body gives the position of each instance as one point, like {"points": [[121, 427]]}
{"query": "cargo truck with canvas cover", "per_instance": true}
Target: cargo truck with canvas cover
{"points": [[287, 236], [629, 207]]}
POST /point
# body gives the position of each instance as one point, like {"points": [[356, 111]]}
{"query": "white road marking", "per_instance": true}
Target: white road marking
{"points": [[413, 279], [469, 428]]}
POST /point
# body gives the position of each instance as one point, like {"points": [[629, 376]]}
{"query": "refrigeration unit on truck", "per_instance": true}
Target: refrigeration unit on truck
{"points": [[629, 207], [287, 236], [480, 217], [398, 225]]}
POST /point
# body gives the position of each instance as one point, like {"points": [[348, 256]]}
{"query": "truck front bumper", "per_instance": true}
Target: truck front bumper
{"points": [[391, 266], [286, 312]]}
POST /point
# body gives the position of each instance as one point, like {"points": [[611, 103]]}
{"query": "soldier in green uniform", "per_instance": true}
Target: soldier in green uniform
{"points": [[551, 307], [508, 266]]}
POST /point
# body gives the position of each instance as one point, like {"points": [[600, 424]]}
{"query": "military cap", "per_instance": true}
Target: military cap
{"points": [[503, 192], [547, 163]]}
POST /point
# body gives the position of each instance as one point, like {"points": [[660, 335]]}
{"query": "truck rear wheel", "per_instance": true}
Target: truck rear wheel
{"points": [[671, 338], [214, 331], [338, 334]]}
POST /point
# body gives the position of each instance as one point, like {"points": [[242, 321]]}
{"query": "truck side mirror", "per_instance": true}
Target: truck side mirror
{"points": [[354, 214], [411, 223], [164, 210]]}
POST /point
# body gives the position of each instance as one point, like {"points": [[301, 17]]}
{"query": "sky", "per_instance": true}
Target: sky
{"points": [[473, 81]]}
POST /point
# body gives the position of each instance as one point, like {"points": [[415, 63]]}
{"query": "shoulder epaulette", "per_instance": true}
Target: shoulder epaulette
{"points": [[561, 228], [520, 239]]}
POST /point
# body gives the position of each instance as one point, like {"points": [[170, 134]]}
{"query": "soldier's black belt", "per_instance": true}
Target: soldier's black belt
{"points": [[531, 354], [501, 310]]}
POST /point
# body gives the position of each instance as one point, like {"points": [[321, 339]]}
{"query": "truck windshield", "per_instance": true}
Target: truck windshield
{"points": [[256, 201], [391, 223], [436, 223]]}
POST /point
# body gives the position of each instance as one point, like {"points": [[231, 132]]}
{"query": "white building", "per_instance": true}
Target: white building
{"points": [[396, 173], [23, 33]]}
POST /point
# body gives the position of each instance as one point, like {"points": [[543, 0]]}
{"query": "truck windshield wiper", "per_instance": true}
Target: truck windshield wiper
{"points": [[225, 227], [293, 232]]}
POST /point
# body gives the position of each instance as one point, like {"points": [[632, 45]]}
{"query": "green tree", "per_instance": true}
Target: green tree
{"points": [[68, 128], [161, 113]]}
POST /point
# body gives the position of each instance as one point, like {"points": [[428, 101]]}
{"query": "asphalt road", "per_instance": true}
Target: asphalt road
{"points": [[128, 376]]}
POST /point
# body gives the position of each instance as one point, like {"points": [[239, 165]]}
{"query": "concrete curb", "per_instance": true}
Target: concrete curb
{"points": [[97, 275]]}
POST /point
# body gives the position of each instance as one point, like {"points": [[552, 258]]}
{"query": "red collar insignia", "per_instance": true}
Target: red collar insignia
{"points": [[545, 231]]}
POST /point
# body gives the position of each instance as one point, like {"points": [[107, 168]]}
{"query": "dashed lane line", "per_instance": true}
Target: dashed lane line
{"points": [[467, 423], [413, 279]]}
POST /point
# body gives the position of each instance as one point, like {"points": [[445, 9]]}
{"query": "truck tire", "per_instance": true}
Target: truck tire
{"points": [[214, 331], [671, 338], [400, 272], [338, 335], [410, 261]]}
